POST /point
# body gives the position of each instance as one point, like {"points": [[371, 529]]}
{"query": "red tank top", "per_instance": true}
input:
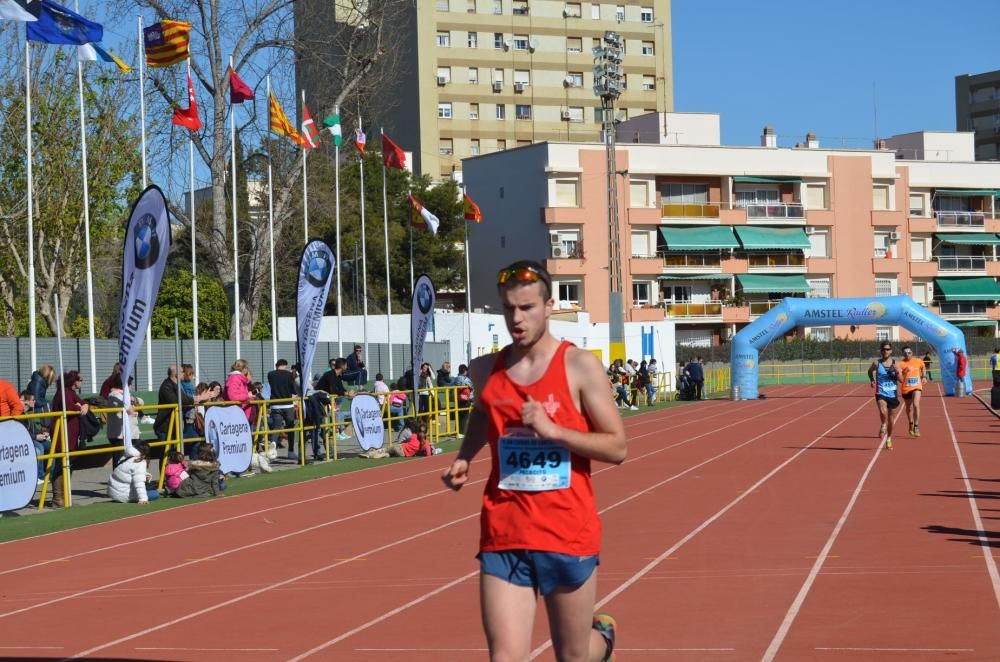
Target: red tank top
{"points": [[562, 520]]}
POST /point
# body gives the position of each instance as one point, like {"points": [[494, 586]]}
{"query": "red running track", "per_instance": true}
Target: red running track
{"points": [[762, 530]]}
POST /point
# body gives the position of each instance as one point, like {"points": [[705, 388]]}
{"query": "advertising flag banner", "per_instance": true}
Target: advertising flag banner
{"points": [[315, 267], [18, 467], [421, 316], [228, 430], [144, 258], [366, 416]]}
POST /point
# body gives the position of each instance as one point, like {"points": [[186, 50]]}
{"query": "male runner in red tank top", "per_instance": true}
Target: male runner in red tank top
{"points": [[545, 410]]}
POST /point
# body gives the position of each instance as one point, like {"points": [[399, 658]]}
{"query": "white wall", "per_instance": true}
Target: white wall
{"points": [[452, 327]]}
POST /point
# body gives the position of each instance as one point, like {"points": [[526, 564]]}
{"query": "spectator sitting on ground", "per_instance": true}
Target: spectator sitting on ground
{"points": [[418, 443], [203, 474], [129, 476], [175, 472], [39, 384]]}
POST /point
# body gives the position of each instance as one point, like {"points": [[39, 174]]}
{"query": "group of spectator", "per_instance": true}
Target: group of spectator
{"points": [[630, 379]]}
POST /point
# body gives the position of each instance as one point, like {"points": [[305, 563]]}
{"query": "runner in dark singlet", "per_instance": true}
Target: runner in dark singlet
{"points": [[884, 379]]}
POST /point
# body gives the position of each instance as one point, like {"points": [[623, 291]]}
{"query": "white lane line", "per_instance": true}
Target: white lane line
{"points": [[674, 650], [440, 589], [704, 525], [31, 648], [985, 543], [207, 650], [422, 650], [899, 650], [800, 598], [240, 598]]}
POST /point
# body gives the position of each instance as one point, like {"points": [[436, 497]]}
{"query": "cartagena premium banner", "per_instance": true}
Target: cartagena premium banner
{"points": [[366, 416], [227, 429], [144, 257], [315, 267], [18, 467], [421, 317]]}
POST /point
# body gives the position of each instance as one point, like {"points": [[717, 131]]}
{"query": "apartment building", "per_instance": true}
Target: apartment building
{"points": [[977, 109], [717, 235], [480, 76]]}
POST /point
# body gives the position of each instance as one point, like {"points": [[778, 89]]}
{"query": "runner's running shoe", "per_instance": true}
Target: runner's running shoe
{"points": [[888, 443], [606, 625], [916, 431], [881, 430], [912, 429]]}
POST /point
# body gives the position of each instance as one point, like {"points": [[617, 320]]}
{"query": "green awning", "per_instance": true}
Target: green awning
{"points": [[977, 323], [968, 239], [967, 192], [784, 284], [745, 179], [980, 288], [698, 238], [754, 238], [718, 277]]}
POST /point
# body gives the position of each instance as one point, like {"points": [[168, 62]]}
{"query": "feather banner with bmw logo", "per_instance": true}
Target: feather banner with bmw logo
{"points": [[144, 258], [421, 317], [315, 267]]}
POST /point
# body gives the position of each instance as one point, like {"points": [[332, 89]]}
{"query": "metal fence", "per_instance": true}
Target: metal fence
{"points": [[216, 356]]}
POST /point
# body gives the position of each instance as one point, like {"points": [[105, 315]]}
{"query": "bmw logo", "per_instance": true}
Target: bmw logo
{"points": [[424, 298], [147, 242], [316, 268]]}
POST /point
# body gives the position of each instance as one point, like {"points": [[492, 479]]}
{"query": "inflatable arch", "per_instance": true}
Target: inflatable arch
{"points": [[793, 312]]}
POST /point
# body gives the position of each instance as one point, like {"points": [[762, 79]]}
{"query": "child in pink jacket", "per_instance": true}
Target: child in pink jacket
{"points": [[176, 471]]}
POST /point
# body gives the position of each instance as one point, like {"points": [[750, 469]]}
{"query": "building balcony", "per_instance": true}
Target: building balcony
{"points": [[776, 262], [883, 217], [569, 215], [888, 265], [961, 220], [697, 262], [758, 308], [710, 310], [735, 314], [646, 314], [923, 269], [964, 310], [974, 265], [645, 265], [690, 213], [775, 212]]}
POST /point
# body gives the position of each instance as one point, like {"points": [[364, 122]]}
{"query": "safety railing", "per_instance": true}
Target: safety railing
{"points": [[960, 219], [773, 210], [703, 309], [757, 261], [689, 210], [761, 307], [971, 263], [842, 372], [691, 260]]}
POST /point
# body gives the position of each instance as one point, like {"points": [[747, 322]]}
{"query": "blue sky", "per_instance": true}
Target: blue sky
{"points": [[809, 66]]}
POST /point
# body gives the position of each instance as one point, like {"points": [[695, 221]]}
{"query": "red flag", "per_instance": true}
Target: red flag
{"points": [[238, 90], [471, 209], [393, 155], [188, 117], [310, 133]]}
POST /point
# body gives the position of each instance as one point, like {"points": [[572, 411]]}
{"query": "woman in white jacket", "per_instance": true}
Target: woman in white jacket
{"points": [[129, 476]]}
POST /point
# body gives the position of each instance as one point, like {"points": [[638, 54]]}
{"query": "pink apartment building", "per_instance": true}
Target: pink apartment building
{"points": [[713, 236]]}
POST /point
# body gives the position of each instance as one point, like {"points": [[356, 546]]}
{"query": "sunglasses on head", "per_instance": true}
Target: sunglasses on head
{"points": [[522, 274]]}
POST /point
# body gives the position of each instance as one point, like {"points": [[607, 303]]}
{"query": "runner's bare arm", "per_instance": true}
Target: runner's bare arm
{"points": [[587, 380], [457, 474], [871, 373]]}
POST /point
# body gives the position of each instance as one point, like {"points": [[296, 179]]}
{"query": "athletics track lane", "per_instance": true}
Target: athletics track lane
{"points": [[84, 573], [908, 577], [225, 577]]}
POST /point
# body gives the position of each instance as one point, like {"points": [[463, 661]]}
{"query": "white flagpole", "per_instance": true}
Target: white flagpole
{"points": [[86, 222], [194, 261], [270, 237], [336, 170], [388, 284], [411, 254], [468, 298], [364, 259], [305, 179], [145, 182], [194, 257], [236, 242], [32, 338]]}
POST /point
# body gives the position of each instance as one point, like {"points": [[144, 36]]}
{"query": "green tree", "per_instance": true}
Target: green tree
{"points": [[174, 300]]}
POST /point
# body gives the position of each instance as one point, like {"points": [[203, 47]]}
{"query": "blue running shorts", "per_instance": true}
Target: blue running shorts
{"points": [[542, 571]]}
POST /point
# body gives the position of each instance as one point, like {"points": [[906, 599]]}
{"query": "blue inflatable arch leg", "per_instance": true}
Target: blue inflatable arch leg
{"points": [[884, 311]]}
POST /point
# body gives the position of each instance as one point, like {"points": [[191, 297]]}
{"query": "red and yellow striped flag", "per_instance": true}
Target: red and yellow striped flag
{"points": [[167, 43], [279, 121], [471, 210]]}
